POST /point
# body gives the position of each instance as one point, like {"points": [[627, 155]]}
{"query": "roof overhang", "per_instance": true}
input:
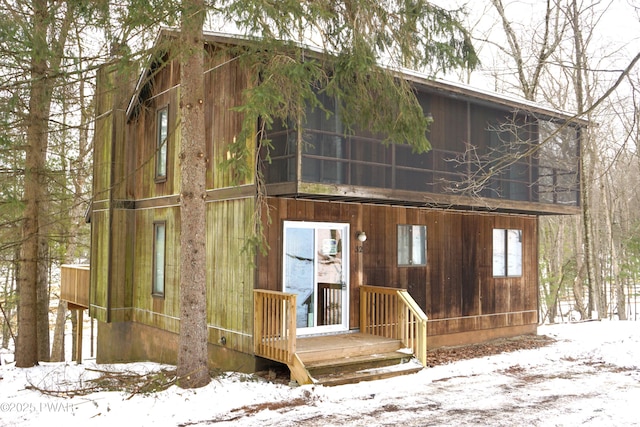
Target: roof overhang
{"points": [[448, 88]]}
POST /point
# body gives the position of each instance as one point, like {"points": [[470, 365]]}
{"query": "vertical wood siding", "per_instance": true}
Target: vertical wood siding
{"points": [[224, 86], [230, 273], [100, 233], [161, 312], [110, 223], [457, 283], [142, 135]]}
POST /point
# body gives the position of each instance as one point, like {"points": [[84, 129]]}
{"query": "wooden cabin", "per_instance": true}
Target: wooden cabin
{"points": [[366, 240]]}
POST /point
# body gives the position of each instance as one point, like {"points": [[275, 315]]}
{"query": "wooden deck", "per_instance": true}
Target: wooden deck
{"points": [[74, 289], [74, 285], [392, 333]]}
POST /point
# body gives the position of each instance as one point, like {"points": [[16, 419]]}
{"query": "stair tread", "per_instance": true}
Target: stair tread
{"points": [[369, 374], [347, 347], [380, 356]]}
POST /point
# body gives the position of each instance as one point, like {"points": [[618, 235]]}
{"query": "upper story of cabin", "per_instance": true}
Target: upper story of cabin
{"points": [[488, 151]]}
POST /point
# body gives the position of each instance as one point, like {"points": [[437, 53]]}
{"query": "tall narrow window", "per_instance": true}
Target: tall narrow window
{"points": [[162, 131], [412, 245], [507, 252], [159, 239]]}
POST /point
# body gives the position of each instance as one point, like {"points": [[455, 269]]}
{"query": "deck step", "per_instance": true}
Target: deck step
{"points": [[312, 350], [341, 378], [357, 363], [350, 358]]}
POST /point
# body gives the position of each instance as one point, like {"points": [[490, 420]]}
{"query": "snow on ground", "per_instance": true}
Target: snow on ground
{"points": [[589, 376]]}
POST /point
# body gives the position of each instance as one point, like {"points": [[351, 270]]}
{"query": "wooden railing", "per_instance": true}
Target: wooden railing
{"points": [[74, 284], [274, 325], [392, 313], [329, 303]]}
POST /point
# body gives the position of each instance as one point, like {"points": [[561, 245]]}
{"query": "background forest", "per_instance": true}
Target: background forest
{"points": [[577, 56]]}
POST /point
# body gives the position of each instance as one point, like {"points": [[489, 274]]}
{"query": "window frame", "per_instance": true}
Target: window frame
{"points": [[158, 283], [162, 145], [509, 267], [411, 249]]}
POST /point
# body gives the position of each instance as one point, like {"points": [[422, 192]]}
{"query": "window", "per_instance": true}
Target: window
{"points": [[507, 253], [159, 239], [162, 130], [412, 245]]}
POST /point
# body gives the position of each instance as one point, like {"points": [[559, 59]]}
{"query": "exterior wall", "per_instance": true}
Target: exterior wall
{"points": [[111, 222], [129, 199], [230, 274], [158, 311], [139, 342], [280, 209], [456, 288]]}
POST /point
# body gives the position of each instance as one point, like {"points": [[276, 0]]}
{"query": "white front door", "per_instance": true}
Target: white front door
{"points": [[316, 269]]}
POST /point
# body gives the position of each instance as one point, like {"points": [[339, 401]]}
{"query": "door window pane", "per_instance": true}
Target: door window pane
{"points": [[299, 272]]}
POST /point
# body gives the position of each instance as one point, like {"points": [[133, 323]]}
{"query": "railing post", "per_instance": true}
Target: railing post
{"points": [[291, 333], [402, 319], [258, 311], [364, 304]]}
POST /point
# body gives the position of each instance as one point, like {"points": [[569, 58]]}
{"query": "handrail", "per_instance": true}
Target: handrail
{"points": [[413, 323], [393, 313], [274, 325]]}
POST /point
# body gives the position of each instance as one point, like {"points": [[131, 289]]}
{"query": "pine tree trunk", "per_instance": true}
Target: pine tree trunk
{"points": [[45, 58], [192, 348], [35, 162]]}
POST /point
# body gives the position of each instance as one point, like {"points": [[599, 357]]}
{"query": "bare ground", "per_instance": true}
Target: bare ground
{"points": [[444, 355]]}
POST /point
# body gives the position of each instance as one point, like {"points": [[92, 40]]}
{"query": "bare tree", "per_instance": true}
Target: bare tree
{"points": [[541, 41], [555, 60]]}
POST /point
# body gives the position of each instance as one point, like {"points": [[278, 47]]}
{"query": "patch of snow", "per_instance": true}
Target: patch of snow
{"points": [[589, 376]]}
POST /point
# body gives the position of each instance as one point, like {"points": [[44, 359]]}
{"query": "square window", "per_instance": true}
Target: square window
{"points": [[159, 239], [162, 132], [507, 253], [412, 245]]}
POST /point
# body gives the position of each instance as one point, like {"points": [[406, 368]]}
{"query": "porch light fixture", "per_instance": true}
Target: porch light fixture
{"points": [[361, 235]]}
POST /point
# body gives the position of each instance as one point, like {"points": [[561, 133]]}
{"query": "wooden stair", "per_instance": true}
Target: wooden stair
{"points": [[350, 358]]}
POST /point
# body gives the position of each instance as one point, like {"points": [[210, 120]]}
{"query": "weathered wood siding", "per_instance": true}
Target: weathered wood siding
{"points": [[111, 223], [230, 273], [159, 311], [224, 86], [456, 288], [163, 92], [130, 200]]}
